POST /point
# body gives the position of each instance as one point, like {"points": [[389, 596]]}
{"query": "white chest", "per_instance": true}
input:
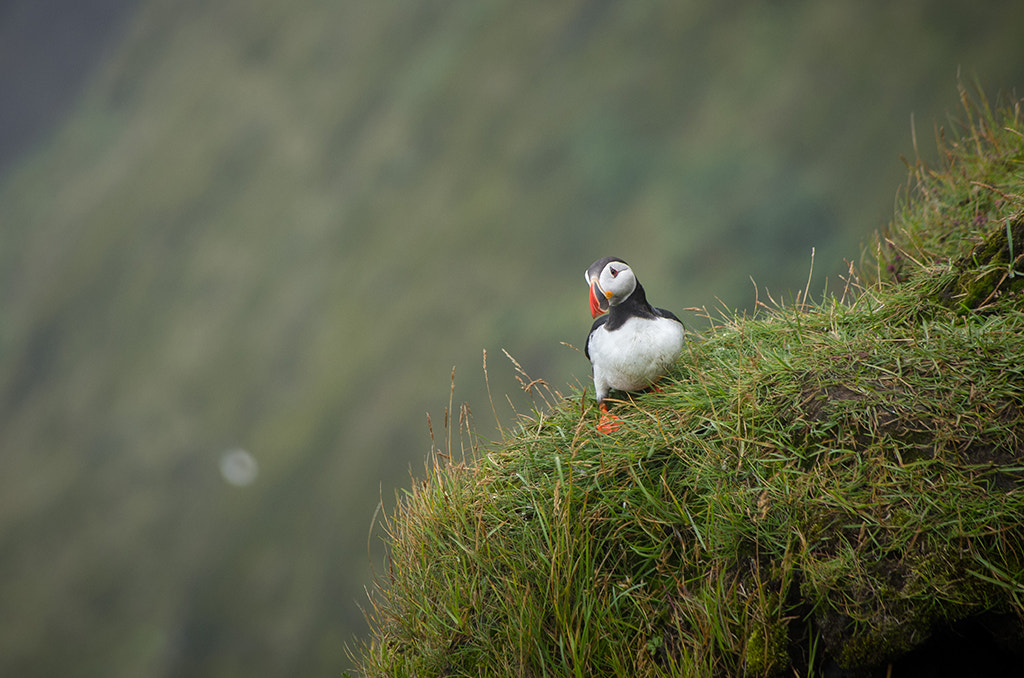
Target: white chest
{"points": [[634, 355]]}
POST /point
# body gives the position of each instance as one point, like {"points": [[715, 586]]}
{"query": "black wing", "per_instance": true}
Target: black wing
{"points": [[593, 328], [667, 314]]}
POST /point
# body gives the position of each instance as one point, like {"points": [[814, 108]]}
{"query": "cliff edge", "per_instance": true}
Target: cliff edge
{"points": [[829, 487]]}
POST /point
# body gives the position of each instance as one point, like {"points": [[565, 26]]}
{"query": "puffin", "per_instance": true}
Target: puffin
{"points": [[631, 343]]}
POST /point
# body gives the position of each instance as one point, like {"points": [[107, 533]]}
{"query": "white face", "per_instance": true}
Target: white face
{"points": [[617, 282]]}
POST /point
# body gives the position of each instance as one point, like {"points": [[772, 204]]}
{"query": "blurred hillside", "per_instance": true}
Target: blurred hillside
{"points": [[277, 226]]}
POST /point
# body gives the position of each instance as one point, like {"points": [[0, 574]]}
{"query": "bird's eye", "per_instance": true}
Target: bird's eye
{"points": [[613, 271]]}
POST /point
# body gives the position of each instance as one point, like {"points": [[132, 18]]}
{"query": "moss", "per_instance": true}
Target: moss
{"points": [[995, 266], [767, 650], [879, 646]]}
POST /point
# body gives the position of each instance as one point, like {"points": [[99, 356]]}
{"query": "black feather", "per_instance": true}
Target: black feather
{"points": [[593, 328], [665, 313]]}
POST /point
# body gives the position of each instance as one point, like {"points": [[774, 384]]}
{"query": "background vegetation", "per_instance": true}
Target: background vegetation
{"points": [[277, 226]]}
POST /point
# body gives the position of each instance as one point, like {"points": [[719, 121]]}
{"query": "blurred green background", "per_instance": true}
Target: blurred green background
{"points": [[242, 244]]}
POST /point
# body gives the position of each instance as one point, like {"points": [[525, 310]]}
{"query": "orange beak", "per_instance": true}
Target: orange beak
{"points": [[598, 301]]}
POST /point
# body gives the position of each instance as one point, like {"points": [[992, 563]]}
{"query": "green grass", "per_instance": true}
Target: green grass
{"points": [[825, 479]]}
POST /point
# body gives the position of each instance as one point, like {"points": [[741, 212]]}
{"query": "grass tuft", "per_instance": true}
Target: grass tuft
{"points": [[823, 482]]}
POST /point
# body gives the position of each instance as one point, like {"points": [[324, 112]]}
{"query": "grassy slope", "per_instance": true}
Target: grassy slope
{"points": [[825, 480]]}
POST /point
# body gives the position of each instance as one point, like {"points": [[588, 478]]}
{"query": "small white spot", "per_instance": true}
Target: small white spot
{"points": [[238, 467]]}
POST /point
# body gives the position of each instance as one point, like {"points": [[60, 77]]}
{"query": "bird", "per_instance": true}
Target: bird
{"points": [[631, 343]]}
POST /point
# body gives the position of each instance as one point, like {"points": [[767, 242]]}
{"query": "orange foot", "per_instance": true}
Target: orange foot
{"points": [[609, 423]]}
